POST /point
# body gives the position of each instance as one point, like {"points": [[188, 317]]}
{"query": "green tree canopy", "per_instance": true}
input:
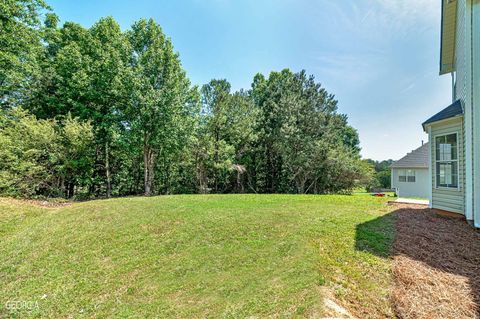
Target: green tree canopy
{"points": [[20, 48], [113, 112]]}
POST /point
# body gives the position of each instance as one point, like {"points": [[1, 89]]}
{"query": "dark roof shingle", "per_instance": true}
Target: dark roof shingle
{"points": [[415, 159], [452, 110]]}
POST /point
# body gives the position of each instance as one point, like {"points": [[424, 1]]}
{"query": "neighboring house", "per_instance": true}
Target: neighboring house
{"points": [[454, 132], [410, 174]]}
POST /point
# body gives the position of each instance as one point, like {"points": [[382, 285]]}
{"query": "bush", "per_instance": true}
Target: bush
{"points": [[38, 158]]}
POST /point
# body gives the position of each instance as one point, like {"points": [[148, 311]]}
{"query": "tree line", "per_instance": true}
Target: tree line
{"points": [[100, 112], [382, 176]]}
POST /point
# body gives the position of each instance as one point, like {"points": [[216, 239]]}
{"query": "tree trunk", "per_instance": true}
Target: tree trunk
{"points": [[71, 189], [217, 141], [107, 169], [148, 163], [202, 180], [62, 186], [268, 171]]}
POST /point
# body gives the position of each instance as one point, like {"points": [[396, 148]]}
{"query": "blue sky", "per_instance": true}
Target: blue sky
{"points": [[379, 57]]}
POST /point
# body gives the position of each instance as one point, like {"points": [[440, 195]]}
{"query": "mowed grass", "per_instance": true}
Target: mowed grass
{"points": [[228, 256]]}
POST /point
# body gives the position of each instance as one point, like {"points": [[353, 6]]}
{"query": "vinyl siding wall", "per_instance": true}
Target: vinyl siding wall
{"points": [[443, 198], [419, 188], [463, 82]]}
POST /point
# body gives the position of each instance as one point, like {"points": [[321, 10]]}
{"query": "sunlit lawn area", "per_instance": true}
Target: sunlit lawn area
{"points": [[195, 256]]}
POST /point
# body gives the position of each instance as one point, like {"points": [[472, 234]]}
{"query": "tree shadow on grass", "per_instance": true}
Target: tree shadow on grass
{"points": [[418, 236]]}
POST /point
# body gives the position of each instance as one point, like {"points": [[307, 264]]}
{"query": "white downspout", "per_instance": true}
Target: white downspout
{"points": [[475, 99], [430, 167], [469, 116], [453, 86]]}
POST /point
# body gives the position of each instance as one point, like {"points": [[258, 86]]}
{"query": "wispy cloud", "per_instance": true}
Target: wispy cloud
{"points": [[382, 21], [382, 55], [405, 16], [355, 68], [410, 10], [408, 88]]}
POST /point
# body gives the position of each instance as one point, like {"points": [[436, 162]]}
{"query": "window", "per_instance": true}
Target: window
{"points": [[406, 175], [410, 175], [446, 161]]}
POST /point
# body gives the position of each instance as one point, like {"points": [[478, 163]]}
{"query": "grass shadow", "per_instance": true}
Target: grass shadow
{"points": [[376, 236]]}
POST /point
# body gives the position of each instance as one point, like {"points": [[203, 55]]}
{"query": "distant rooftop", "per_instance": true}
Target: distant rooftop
{"points": [[452, 110], [415, 159]]}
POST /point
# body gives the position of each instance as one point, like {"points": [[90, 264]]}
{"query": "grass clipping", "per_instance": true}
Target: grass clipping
{"points": [[436, 266]]}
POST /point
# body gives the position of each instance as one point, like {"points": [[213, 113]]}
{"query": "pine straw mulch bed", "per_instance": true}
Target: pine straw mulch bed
{"points": [[436, 265]]}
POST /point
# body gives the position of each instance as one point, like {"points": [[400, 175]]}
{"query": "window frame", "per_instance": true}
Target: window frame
{"points": [[435, 161], [404, 172]]}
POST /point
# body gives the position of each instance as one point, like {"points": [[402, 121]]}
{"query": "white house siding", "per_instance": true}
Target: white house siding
{"points": [[475, 94], [463, 92], [449, 199], [419, 188]]}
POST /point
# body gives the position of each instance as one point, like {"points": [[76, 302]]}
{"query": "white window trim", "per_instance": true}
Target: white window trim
{"points": [[434, 164], [406, 175]]}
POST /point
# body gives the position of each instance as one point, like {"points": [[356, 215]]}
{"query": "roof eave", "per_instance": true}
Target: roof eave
{"points": [[426, 125], [447, 36]]}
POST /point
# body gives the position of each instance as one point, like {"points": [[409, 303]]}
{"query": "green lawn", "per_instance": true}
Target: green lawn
{"points": [[229, 256]]}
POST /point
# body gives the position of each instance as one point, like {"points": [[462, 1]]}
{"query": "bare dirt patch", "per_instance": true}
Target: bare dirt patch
{"points": [[436, 265], [49, 203]]}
